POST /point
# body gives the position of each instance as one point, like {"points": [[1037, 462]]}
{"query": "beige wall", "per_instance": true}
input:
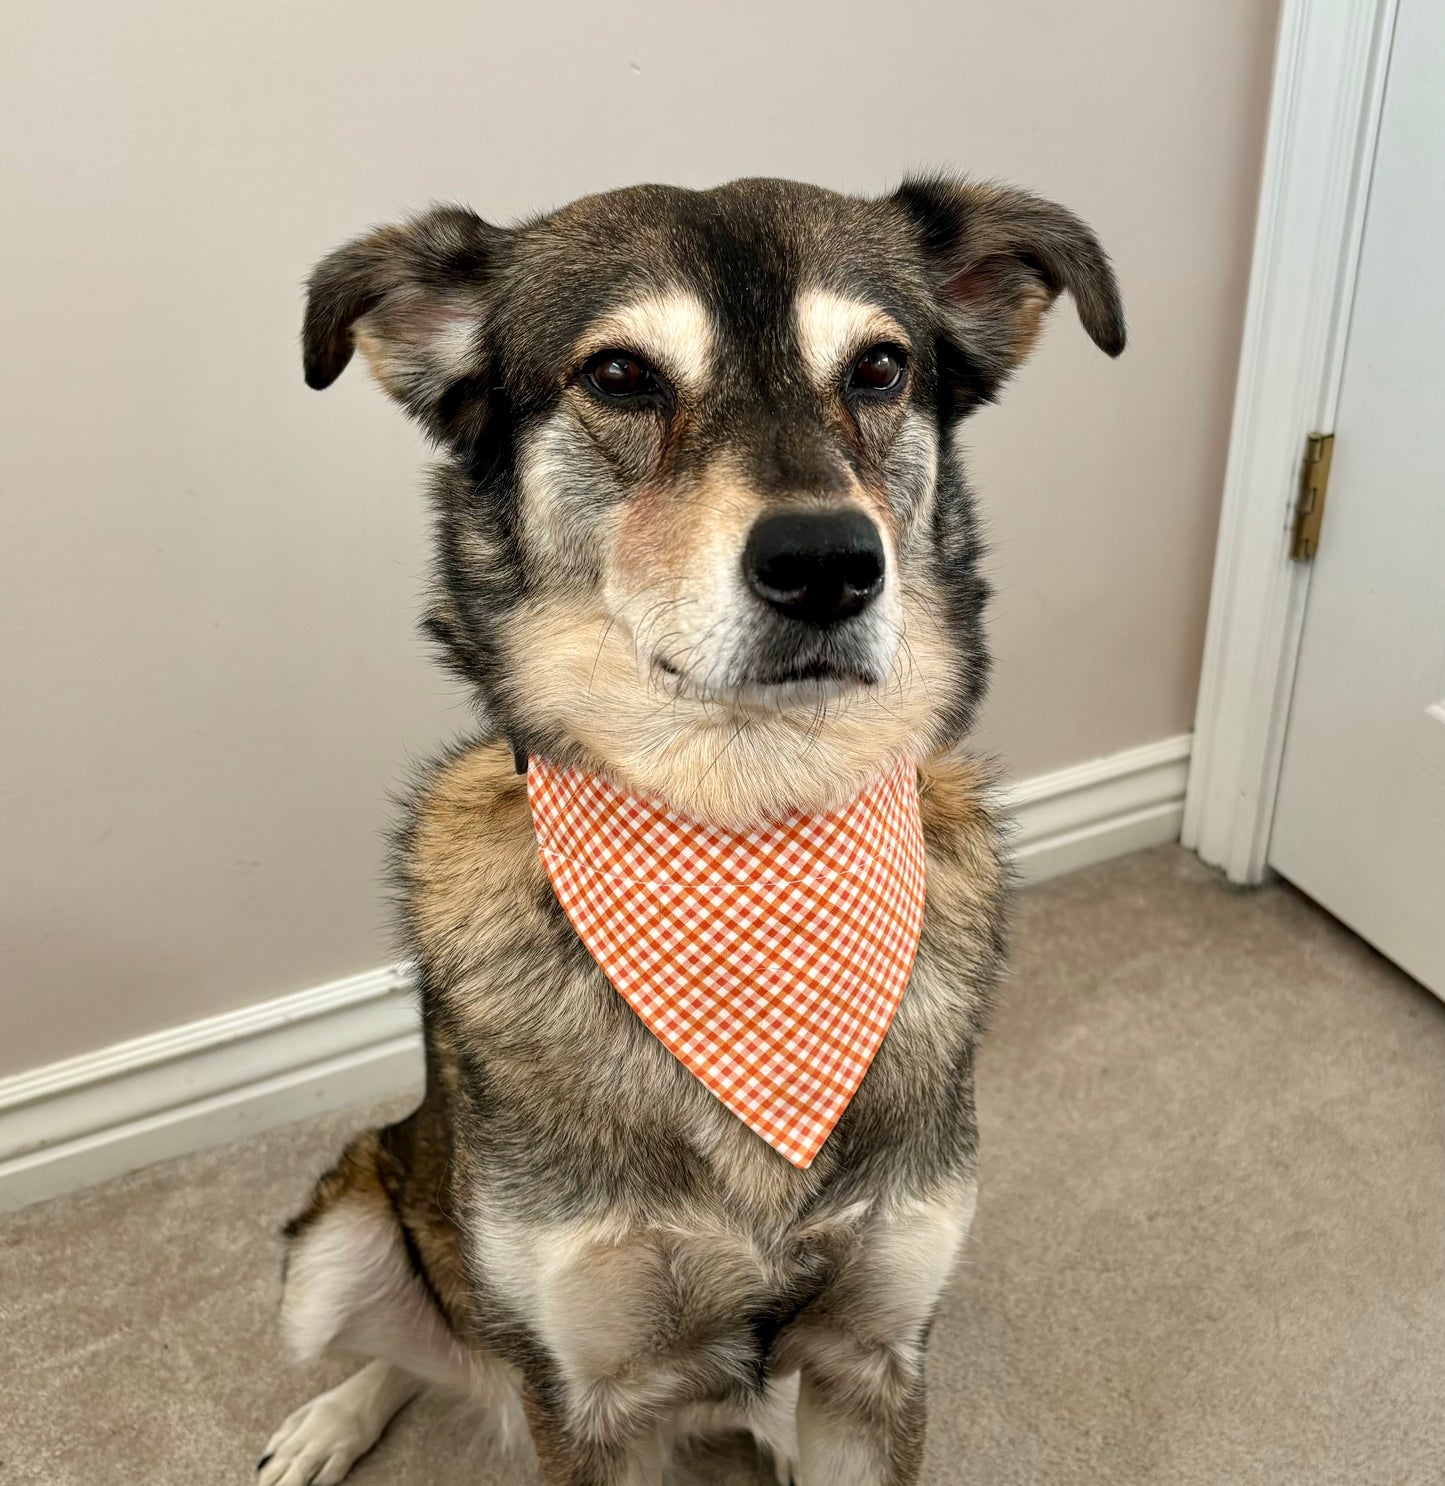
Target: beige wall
{"points": [[209, 576]]}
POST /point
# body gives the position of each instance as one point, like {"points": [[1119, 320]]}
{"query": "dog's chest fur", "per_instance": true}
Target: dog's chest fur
{"points": [[587, 1162]]}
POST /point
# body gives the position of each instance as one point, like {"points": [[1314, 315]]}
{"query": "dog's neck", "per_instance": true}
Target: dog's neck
{"points": [[736, 775]]}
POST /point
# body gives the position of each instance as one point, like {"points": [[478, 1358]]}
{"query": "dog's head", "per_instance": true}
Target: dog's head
{"points": [[701, 520]]}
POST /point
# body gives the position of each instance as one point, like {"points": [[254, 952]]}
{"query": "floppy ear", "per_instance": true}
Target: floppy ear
{"points": [[413, 298], [998, 258]]}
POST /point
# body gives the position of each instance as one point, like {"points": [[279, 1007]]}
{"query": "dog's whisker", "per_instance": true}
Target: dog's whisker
{"points": [[597, 659]]}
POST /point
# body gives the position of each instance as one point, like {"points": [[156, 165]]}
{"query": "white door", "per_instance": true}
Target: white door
{"points": [[1360, 819]]}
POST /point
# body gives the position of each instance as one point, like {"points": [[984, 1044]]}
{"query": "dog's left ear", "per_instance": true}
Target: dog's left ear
{"points": [[413, 298], [998, 258]]}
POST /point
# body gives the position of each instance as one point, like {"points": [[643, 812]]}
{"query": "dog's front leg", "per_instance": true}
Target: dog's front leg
{"points": [[861, 1414], [860, 1347], [592, 1436]]}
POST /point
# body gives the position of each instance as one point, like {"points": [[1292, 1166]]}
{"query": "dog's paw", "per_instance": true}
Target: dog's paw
{"points": [[316, 1446], [323, 1439]]}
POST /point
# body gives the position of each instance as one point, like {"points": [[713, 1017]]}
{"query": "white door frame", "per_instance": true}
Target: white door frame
{"points": [[1328, 91]]}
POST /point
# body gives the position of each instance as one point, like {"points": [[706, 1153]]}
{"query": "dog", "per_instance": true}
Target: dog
{"points": [[704, 531]]}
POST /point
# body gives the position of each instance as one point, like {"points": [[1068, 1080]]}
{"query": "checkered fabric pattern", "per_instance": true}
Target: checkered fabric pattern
{"points": [[768, 962]]}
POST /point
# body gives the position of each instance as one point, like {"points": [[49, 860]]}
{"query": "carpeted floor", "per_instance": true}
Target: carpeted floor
{"points": [[1210, 1246]]}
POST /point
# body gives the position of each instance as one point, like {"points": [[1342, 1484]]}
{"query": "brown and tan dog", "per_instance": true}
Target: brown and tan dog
{"points": [[703, 529]]}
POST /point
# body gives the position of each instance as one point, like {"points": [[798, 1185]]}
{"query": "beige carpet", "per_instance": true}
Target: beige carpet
{"points": [[1210, 1246]]}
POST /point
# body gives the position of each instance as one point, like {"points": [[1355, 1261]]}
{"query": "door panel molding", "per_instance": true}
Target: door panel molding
{"points": [[1329, 83]]}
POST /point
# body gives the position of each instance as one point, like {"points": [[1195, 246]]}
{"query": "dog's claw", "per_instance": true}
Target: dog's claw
{"points": [[264, 1460]]}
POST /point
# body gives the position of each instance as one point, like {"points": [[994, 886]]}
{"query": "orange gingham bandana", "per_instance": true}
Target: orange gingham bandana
{"points": [[768, 962]]}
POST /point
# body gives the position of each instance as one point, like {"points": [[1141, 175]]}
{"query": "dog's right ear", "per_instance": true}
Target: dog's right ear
{"points": [[413, 298]]}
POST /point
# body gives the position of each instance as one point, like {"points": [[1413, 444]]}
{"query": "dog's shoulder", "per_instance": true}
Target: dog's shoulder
{"points": [[467, 854], [969, 876], [961, 827]]}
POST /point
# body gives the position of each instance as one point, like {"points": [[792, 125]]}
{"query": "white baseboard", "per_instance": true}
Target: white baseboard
{"points": [[356, 1040], [206, 1083], [1105, 808]]}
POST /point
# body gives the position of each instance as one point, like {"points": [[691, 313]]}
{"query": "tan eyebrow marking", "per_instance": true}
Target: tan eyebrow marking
{"points": [[671, 328], [832, 328]]}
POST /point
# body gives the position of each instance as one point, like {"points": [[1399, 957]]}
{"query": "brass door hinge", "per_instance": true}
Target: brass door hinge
{"points": [[1314, 486]]}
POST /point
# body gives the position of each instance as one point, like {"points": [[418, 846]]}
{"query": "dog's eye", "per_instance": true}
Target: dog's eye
{"points": [[878, 369], [623, 377]]}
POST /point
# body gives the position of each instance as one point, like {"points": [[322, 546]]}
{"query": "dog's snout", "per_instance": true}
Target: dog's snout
{"points": [[817, 566]]}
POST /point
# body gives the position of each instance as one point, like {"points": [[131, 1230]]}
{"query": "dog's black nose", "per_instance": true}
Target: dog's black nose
{"points": [[817, 566]]}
